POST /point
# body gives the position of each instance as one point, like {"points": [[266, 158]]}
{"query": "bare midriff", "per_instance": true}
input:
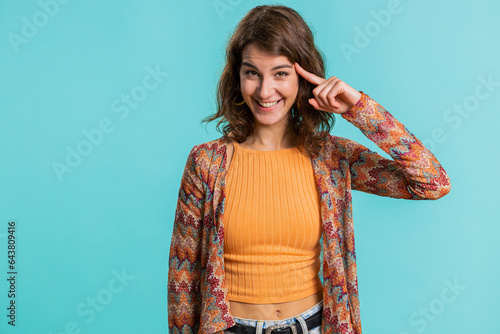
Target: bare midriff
{"points": [[276, 311]]}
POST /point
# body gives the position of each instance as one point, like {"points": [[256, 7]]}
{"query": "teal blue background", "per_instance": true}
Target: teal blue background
{"points": [[114, 211]]}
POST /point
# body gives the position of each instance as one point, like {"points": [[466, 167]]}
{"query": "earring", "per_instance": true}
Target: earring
{"points": [[240, 103]]}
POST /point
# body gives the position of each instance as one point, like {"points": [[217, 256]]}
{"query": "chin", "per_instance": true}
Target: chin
{"points": [[271, 119]]}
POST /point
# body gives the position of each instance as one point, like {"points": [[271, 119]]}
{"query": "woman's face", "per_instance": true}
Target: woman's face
{"points": [[269, 85]]}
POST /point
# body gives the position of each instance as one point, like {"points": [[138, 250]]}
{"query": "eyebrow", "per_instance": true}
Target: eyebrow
{"points": [[274, 68]]}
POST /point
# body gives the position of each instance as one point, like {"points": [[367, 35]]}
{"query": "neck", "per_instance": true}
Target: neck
{"points": [[272, 139]]}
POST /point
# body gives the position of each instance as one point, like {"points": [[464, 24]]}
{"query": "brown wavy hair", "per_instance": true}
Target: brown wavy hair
{"points": [[278, 30]]}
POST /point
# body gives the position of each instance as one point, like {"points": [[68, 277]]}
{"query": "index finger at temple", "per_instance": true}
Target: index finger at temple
{"points": [[312, 78]]}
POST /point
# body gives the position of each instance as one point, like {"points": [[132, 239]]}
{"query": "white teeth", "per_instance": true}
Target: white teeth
{"points": [[269, 104]]}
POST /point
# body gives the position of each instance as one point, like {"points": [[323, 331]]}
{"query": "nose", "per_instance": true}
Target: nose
{"points": [[266, 88]]}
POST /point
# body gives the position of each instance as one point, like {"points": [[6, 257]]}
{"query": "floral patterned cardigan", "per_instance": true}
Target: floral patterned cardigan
{"points": [[197, 290]]}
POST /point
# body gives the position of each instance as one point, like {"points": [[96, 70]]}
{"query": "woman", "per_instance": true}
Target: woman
{"points": [[254, 204]]}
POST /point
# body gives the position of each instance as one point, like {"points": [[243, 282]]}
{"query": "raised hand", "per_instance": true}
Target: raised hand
{"points": [[331, 95]]}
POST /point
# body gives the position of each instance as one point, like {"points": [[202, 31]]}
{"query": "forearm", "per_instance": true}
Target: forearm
{"points": [[426, 177]]}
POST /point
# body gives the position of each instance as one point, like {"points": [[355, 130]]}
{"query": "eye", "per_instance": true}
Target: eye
{"points": [[249, 72], [282, 74]]}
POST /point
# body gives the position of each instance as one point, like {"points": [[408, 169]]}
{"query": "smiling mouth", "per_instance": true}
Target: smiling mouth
{"points": [[268, 104]]}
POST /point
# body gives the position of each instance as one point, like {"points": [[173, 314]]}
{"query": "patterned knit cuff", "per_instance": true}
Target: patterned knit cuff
{"points": [[360, 105], [368, 116]]}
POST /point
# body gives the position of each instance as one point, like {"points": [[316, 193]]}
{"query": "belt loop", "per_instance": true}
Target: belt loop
{"points": [[302, 324], [258, 328]]}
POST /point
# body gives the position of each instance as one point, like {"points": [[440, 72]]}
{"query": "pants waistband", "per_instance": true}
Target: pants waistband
{"points": [[291, 320]]}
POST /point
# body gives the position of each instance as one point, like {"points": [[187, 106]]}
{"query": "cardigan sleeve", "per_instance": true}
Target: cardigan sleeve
{"points": [[184, 297], [412, 173]]}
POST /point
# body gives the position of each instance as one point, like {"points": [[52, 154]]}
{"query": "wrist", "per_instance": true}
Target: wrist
{"points": [[355, 101]]}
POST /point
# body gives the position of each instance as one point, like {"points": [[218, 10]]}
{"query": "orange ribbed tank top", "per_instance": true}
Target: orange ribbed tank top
{"points": [[272, 226]]}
